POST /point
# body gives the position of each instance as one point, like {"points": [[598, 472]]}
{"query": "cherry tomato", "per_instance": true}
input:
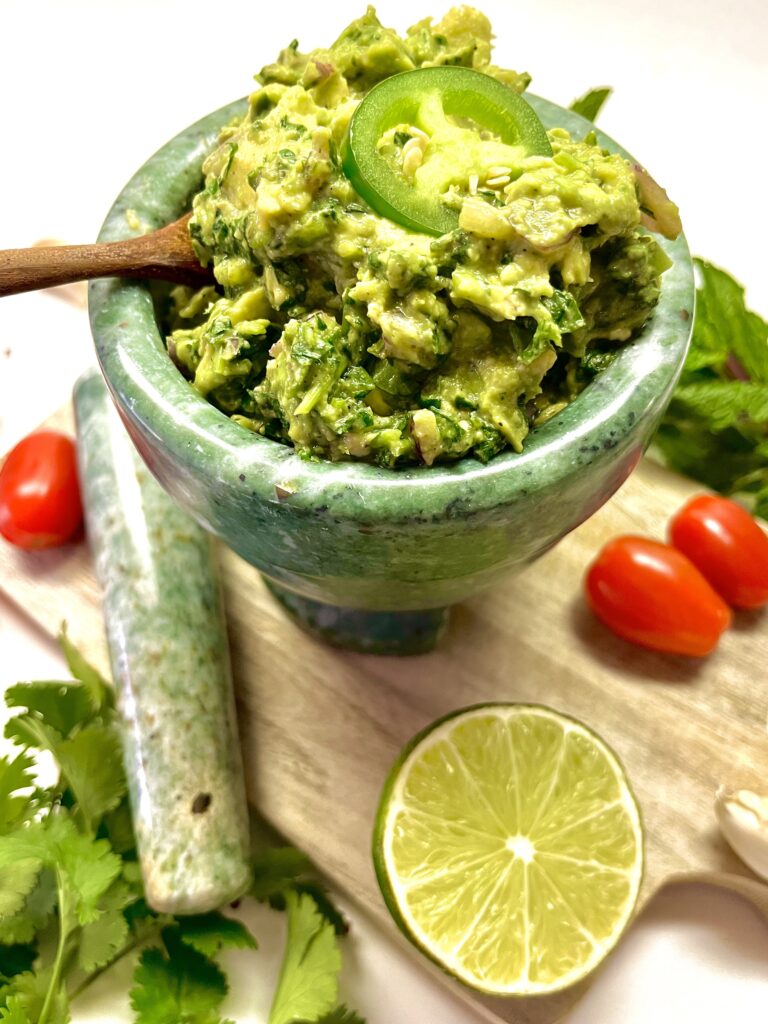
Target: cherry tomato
{"points": [[650, 593], [40, 503], [727, 547]]}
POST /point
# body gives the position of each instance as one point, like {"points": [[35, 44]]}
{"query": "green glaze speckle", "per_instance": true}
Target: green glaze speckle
{"points": [[171, 665], [355, 535]]}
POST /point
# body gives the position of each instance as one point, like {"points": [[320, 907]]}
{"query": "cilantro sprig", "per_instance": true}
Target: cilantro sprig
{"points": [[71, 899]]}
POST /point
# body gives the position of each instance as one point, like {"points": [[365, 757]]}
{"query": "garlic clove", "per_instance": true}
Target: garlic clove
{"points": [[743, 819]]}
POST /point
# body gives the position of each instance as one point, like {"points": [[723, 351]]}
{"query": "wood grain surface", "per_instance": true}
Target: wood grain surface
{"points": [[321, 727]]}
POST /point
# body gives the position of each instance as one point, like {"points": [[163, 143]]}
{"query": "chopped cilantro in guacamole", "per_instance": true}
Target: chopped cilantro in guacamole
{"points": [[339, 332]]}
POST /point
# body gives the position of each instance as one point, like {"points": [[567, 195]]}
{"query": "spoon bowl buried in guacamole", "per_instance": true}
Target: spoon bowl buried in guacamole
{"points": [[354, 335]]}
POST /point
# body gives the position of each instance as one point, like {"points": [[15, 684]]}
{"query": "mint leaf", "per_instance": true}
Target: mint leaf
{"points": [[724, 403], [210, 933], [722, 312], [181, 985], [716, 426], [62, 706], [15, 774], [591, 103], [311, 963], [99, 690]]}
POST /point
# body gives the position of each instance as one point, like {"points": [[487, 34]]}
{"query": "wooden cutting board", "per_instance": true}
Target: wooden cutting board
{"points": [[321, 727]]}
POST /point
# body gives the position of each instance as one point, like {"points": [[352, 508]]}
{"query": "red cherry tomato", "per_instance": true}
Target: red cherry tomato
{"points": [[651, 594], [727, 547], [40, 503]]}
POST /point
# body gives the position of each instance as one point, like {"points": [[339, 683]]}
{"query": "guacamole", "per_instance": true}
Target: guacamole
{"points": [[338, 331]]}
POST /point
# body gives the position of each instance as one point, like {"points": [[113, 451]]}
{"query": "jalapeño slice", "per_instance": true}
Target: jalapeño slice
{"points": [[425, 99]]}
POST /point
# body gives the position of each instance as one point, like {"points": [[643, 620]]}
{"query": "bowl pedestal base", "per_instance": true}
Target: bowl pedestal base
{"points": [[369, 632]]}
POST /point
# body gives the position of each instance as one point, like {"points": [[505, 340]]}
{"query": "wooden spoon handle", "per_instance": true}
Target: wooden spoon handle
{"points": [[165, 254]]}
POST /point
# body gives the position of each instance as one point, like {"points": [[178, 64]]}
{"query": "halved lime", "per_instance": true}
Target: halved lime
{"points": [[508, 847]]}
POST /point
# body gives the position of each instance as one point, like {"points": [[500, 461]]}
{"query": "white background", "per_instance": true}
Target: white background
{"points": [[89, 89]]}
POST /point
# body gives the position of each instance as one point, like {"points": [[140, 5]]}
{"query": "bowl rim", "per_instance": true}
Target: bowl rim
{"points": [[166, 408]]}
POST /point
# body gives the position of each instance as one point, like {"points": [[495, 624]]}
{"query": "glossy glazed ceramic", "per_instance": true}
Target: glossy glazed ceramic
{"points": [[341, 543]]}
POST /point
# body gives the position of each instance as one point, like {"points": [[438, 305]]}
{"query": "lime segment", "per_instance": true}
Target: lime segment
{"points": [[508, 847]]}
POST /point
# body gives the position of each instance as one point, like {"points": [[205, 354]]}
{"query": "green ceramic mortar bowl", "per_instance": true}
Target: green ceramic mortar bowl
{"points": [[366, 557]]}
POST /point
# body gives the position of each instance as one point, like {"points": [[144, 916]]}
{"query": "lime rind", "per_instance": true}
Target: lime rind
{"points": [[517, 883]]}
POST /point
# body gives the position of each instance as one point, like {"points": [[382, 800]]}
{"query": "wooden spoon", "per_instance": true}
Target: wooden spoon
{"points": [[166, 254]]}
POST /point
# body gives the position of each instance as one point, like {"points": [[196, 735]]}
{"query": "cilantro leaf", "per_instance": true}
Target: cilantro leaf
{"points": [[132, 875], [146, 925], [33, 916], [17, 880], [325, 906], [14, 1013], [52, 861], [29, 843], [182, 986], [91, 762], [105, 936], [210, 933], [309, 975], [278, 870], [16, 959], [275, 869], [30, 731], [591, 103], [28, 996], [18, 930], [62, 706], [101, 940], [99, 690], [119, 828], [341, 1015], [15, 774], [86, 866]]}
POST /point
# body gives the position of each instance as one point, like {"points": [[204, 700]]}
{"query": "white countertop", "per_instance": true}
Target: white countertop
{"points": [[88, 92]]}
